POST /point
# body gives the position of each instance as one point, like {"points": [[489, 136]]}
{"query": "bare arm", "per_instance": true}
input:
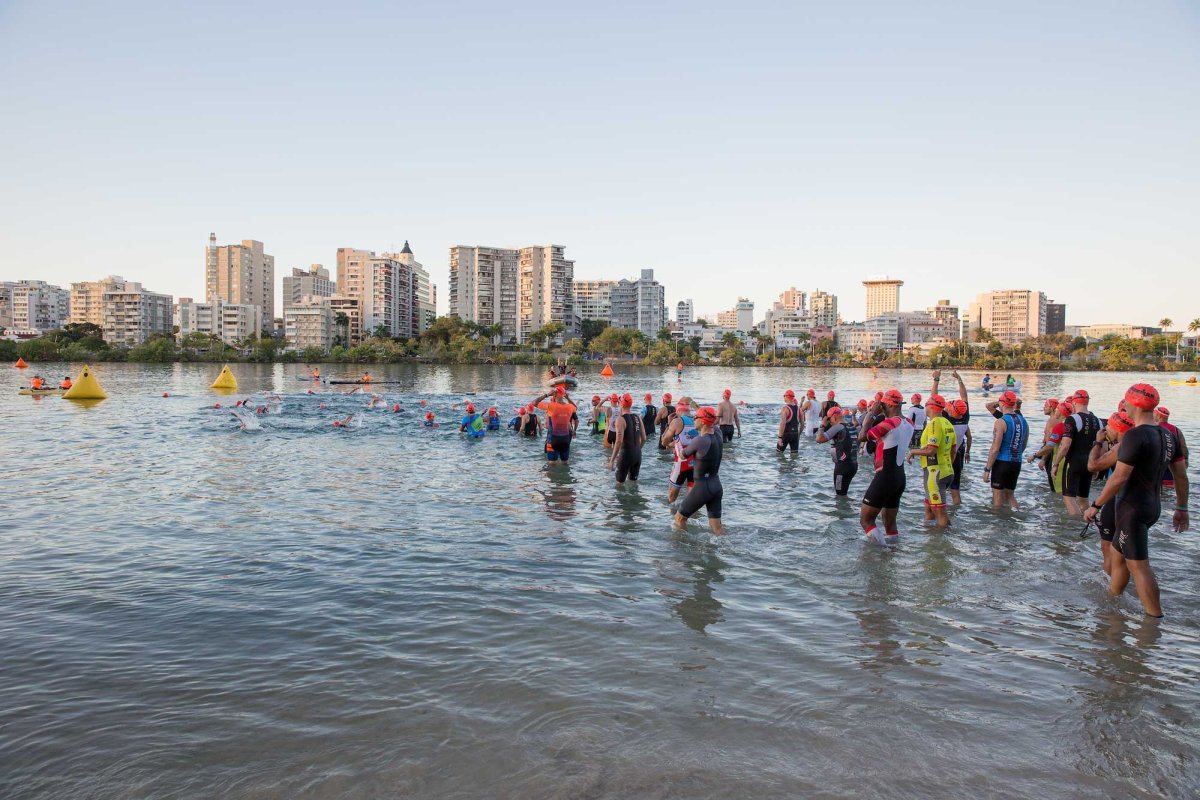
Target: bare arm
{"points": [[1180, 522], [737, 421], [619, 428], [1064, 445], [962, 387], [1100, 460], [783, 418], [998, 430]]}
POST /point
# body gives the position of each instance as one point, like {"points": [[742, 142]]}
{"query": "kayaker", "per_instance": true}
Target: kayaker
{"points": [[37, 383], [66, 383]]}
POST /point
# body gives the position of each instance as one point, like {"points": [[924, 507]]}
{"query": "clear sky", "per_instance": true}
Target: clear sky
{"points": [[735, 148]]}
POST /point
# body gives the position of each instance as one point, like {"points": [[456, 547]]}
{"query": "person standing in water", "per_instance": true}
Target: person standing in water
{"points": [[679, 435], [727, 417], [531, 423], [473, 425], [915, 414], [649, 417], [1010, 436], [705, 451], [842, 434], [811, 414], [1079, 434], [891, 437], [789, 424], [626, 455], [959, 413], [1103, 458], [1162, 416], [938, 443], [662, 419], [560, 412], [1136, 484]]}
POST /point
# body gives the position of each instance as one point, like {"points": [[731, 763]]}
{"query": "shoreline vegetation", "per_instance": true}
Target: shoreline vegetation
{"points": [[452, 341]]}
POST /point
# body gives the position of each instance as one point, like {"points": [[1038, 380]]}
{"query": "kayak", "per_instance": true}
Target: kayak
{"points": [[563, 380], [40, 392], [1184, 383], [310, 380], [361, 383]]}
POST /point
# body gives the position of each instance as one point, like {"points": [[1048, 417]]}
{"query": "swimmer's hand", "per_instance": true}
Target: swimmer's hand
{"points": [[1090, 514], [1180, 521]]}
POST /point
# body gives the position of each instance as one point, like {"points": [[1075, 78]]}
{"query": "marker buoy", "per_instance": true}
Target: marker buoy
{"points": [[20, 364], [85, 387], [607, 372], [225, 380]]}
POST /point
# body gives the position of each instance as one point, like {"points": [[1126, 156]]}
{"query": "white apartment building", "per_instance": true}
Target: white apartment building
{"points": [[310, 322], [793, 300], [854, 337], [593, 299], [383, 285], [485, 285], [685, 312], [6, 288], [639, 305], [230, 322], [1011, 315], [311, 282], [546, 280], [887, 327], [424, 292], [883, 296], [242, 274], [351, 307], [87, 299], [132, 314], [823, 308], [947, 315], [38, 306]]}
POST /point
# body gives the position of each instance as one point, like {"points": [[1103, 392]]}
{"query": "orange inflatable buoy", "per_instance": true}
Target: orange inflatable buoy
{"points": [[20, 364], [607, 372]]}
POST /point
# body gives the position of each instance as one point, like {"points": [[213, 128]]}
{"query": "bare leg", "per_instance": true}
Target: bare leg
{"points": [[680, 522], [716, 527], [672, 494], [1147, 586], [956, 497], [1119, 576], [997, 499], [889, 521], [1072, 505], [943, 517], [1010, 497], [866, 516]]}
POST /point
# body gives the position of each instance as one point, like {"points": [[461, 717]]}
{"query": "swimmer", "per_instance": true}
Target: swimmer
{"points": [[727, 417], [560, 416], [429, 422], [596, 415], [1146, 449], [1162, 415], [1070, 458], [915, 414], [610, 408], [1103, 458], [938, 444], [473, 424], [789, 424], [810, 412], [649, 416], [882, 499], [1051, 438], [829, 403], [493, 419], [626, 456], [704, 452], [663, 418], [678, 436], [350, 422], [959, 413], [375, 402], [1010, 436], [839, 431], [531, 423]]}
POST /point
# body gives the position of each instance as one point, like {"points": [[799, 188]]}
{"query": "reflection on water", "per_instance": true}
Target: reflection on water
{"points": [[395, 612]]}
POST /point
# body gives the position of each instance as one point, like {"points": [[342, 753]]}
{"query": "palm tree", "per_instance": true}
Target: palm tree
{"points": [[1193, 328], [342, 322]]}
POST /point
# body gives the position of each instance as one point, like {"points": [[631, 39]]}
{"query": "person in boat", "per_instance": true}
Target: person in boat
{"points": [[987, 382], [314, 373], [1010, 381], [366, 377], [36, 383], [66, 383]]}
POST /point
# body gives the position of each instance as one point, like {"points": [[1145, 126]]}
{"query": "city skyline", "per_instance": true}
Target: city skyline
{"points": [[953, 149]]}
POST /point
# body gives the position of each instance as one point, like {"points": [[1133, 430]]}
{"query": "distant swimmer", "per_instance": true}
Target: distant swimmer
{"points": [[1102, 459], [429, 422], [473, 424], [66, 383], [1010, 436], [531, 423], [663, 419], [375, 402], [727, 417], [1136, 483], [1070, 459], [840, 432], [493, 419], [560, 416], [626, 456], [351, 422], [649, 417], [789, 424], [891, 437], [704, 452], [937, 447]]}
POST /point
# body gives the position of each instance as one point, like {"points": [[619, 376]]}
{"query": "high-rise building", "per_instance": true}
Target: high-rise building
{"points": [[883, 296], [1056, 318], [593, 300], [792, 300], [485, 285], [424, 292], [6, 288], [87, 299], [38, 306], [545, 291], [133, 314], [241, 274], [738, 318], [230, 322], [947, 315], [639, 304], [886, 329], [1011, 315], [311, 282], [383, 285], [310, 322], [823, 308], [685, 312]]}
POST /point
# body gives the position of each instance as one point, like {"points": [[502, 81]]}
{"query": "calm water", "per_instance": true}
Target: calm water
{"points": [[192, 611]]}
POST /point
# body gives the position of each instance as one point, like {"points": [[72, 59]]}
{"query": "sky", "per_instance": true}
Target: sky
{"points": [[736, 149]]}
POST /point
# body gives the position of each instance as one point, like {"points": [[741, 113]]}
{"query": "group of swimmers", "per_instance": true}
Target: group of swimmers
{"points": [[1137, 449]]}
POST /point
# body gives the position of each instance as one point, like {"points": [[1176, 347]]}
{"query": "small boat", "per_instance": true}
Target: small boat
{"points": [[563, 380], [1185, 383], [40, 392]]}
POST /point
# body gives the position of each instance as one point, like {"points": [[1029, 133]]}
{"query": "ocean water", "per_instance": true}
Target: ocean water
{"points": [[190, 610]]}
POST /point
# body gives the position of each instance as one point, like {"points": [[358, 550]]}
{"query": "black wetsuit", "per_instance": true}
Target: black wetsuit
{"points": [[648, 415], [871, 421], [1081, 428], [662, 428], [844, 439], [791, 429], [629, 459], [707, 491], [531, 425], [1148, 449]]}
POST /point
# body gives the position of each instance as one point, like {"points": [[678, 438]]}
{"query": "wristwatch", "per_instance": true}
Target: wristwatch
{"points": [[1097, 506]]}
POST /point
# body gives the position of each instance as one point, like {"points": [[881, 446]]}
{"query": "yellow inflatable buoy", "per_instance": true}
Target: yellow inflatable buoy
{"points": [[85, 387], [225, 380], [607, 372]]}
